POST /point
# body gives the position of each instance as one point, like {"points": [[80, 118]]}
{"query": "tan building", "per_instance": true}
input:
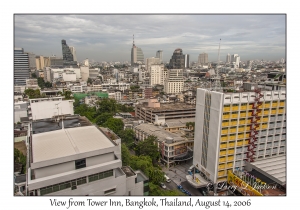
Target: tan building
{"points": [[174, 81]]}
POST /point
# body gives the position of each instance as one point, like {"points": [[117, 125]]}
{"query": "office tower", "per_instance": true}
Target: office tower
{"points": [[237, 61], [67, 54], [73, 51], [159, 54], [174, 81], [151, 61], [157, 75], [234, 129], [203, 58], [40, 63], [137, 55], [21, 66], [177, 60], [186, 61], [32, 62], [228, 60], [233, 57]]}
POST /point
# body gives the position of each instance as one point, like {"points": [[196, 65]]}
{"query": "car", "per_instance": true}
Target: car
{"points": [[167, 179], [163, 185]]}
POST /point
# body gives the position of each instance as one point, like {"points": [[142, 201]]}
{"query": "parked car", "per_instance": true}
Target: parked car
{"points": [[163, 185]]}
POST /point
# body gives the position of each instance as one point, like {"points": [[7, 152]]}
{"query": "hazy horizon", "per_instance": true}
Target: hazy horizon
{"points": [[109, 37]]}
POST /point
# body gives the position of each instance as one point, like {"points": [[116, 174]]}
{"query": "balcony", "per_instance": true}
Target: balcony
{"points": [[281, 104], [241, 136], [266, 106], [222, 153], [226, 116], [224, 138], [231, 145], [234, 115], [226, 109], [222, 166], [223, 159], [233, 123], [224, 131], [273, 111], [223, 146], [231, 151], [243, 108], [243, 114], [233, 130], [241, 129], [232, 137], [281, 111], [240, 143], [225, 124], [229, 165], [230, 158], [266, 112], [274, 104], [221, 173]]}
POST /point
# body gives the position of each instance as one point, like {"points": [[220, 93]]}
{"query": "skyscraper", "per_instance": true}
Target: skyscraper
{"points": [[228, 60], [159, 54], [177, 60], [67, 54], [137, 55], [186, 61], [21, 66], [203, 58], [73, 51]]}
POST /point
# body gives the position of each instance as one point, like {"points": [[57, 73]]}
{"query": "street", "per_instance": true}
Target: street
{"points": [[177, 175]]}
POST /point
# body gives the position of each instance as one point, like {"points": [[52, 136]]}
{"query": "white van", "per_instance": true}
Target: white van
{"points": [[167, 179]]}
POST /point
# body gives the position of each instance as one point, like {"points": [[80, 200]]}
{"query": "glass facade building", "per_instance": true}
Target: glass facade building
{"points": [[21, 66], [67, 54], [178, 60]]}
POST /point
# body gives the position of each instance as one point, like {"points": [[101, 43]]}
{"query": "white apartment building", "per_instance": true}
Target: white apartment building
{"points": [[118, 86], [174, 81], [74, 157], [235, 128], [157, 74], [85, 73], [43, 108], [69, 76], [20, 110], [94, 88]]}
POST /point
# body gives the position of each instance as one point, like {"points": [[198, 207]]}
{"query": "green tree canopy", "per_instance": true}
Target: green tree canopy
{"points": [[33, 93], [102, 118], [148, 147], [127, 137], [116, 125], [107, 105]]}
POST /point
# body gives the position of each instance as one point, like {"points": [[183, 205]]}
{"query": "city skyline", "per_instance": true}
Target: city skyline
{"points": [[109, 37]]}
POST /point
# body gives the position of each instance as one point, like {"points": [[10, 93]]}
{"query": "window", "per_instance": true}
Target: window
{"points": [[80, 164], [110, 191]]}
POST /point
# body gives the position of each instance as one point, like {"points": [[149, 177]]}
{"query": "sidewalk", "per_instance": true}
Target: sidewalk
{"points": [[177, 174]]}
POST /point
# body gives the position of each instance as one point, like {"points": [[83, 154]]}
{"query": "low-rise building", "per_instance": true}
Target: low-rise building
{"points": [[80, 159]]}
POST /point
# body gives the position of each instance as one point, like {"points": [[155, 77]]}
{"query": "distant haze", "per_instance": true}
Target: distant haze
{"points": [[109, 37]]}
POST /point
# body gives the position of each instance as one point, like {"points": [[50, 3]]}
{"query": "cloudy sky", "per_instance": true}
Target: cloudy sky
{"points": [[109, 37]]}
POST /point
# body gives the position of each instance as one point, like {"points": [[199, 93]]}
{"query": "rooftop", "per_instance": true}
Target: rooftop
{"points": [[171, 106], [179, 122], [46, 125], [274, 168], [66, 142], [128, 171], [160, 133]]}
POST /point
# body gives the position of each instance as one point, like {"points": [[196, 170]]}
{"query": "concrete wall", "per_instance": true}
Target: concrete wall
{"points": [[47, 109], [84, 70]]}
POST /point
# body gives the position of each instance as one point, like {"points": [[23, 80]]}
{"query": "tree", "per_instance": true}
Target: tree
{"points": [[33, 75], [41, 82], [20, 158], [127, 137], [107, 106], [155, 190], [90, 81], [48, 84], [102, 118], [67, 94], [190, 124], [33, 93], [126, 156], [148, 147], [116, 125]]}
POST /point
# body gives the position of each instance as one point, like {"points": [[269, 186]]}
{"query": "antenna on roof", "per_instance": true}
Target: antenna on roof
{"points": [[133, 40], [217, 84]]}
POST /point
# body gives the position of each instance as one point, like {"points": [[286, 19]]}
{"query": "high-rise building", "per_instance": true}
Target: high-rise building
{"points": [[174, 81], [203, 58], [186, 61], [137, 55], [228, 60], [159, 54], [157, 74], [234, 129], [151, 61], [73, 51], [21, 66], [32, 62], [67, 54], [233, 57], [177, 60]]}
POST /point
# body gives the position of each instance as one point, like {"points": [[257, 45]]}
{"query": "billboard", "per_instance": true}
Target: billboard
{"points": [[241, 186]]}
